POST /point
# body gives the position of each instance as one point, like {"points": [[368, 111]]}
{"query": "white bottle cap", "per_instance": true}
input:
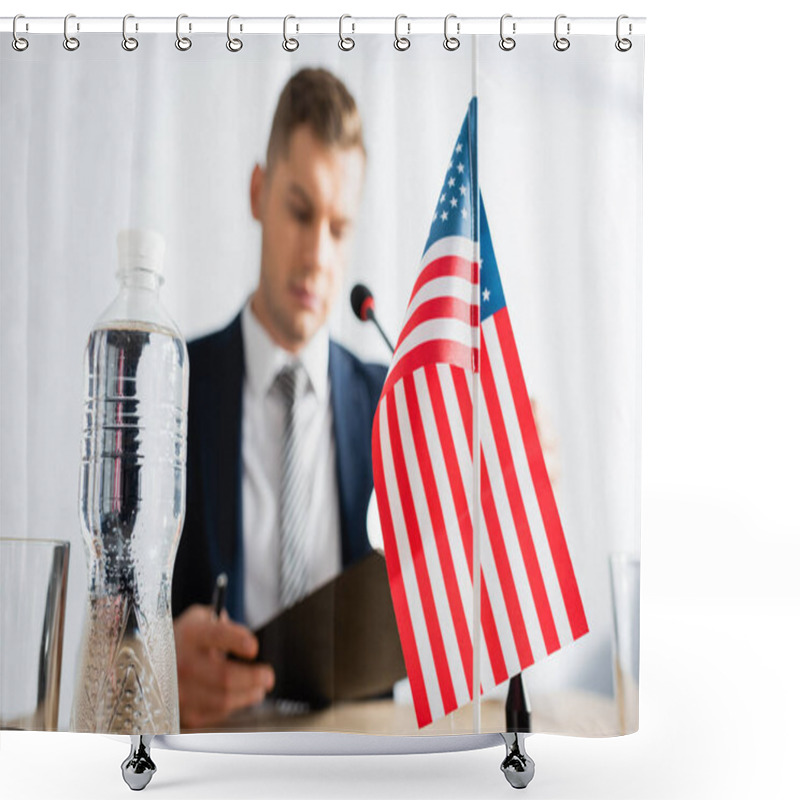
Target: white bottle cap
{"points": [[141, 249]]}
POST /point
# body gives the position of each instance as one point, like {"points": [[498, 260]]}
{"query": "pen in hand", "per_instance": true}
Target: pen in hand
{"points": [[218, 604], [218, 598]]}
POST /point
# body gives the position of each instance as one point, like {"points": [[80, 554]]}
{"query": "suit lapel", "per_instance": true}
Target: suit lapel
{"points": [[224, 467], [352, 442]]}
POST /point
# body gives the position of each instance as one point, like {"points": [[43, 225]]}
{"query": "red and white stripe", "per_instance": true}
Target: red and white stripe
{"points": [[422, 480], [422, 462]]}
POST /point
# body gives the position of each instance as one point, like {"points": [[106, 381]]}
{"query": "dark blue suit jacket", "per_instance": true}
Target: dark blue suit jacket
{"points": [[211, 541]]}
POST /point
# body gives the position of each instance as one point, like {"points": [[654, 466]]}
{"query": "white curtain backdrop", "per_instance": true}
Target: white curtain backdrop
{"points": [[101, 139]]}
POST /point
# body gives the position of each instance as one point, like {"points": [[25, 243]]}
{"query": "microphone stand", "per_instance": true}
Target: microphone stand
{"points": [[370, 315]]}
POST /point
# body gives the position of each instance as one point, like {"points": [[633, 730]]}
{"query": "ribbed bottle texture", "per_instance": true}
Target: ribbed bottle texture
{"points": [[131, 507]]}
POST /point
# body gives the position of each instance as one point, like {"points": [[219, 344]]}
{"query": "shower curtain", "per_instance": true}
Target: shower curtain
{"points": [[100, 138]]}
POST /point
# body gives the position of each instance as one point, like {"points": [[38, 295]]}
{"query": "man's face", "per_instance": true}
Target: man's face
{"points": [[306, 204]]}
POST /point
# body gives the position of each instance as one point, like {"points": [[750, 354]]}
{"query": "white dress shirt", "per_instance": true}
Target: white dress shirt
{"points": [[263, 420]]}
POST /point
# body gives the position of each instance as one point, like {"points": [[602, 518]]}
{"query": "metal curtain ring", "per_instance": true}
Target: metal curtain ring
{"points": [[623, 45], [233, 44], [70, 42], [183, 43], [561, 43], [507, 42], [289, 44], [18, 43], [401, 42], [451, 42], [345, 42], [128, 42]]}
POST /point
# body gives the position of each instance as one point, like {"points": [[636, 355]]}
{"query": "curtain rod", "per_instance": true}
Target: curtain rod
{"points": [[329, 25]]}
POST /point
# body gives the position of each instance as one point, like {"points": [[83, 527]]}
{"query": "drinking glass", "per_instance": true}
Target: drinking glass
{"points": [[624, 569], [33, 591]]}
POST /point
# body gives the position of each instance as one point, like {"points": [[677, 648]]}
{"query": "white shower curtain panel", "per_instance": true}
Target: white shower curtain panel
{"points": [[100, 139]]}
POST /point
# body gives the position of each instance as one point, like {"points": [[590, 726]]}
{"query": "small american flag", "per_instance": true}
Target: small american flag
{"points": [[456, 324]]}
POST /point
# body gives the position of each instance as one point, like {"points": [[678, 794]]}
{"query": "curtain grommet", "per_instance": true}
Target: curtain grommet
{"points": [[401, 43], [451, 43], [183, 43], [233, 44], [346, 43], [290, 44], [129, 43], [561, 43], [71, 43], [19, 43], [507, 43]]}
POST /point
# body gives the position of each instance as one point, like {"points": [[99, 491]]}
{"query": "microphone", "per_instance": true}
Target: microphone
{"points": [[363, 304]]}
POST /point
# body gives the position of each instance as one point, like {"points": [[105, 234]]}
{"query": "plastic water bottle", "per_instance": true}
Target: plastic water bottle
{"points": [[132, 502]]}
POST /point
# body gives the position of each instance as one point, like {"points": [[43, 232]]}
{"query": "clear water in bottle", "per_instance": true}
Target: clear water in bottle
{"points": [[132, 504]]}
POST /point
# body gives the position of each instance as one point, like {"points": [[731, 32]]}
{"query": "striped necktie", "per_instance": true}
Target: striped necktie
{"points": [[294, 492]]}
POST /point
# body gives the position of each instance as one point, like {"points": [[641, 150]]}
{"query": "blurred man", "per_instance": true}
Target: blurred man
{"points": [[279, 469]]}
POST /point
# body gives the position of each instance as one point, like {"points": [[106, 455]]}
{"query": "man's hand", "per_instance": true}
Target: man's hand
{"points": [[210, 686]]}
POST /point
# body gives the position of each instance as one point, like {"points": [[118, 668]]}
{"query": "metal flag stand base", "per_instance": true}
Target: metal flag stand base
{"points": [[517, 766]]}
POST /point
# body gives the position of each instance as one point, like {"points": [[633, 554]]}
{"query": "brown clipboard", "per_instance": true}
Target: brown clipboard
{"points": [[338, 643]]}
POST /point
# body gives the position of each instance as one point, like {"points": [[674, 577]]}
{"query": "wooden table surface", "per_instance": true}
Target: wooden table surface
{"points": [[575, 713]]}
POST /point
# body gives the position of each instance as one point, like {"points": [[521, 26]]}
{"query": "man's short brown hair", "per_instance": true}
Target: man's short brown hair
{"points": [[316, 98]]}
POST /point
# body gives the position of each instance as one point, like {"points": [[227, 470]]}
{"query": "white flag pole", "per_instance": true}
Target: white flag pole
{"points": [[476, 439]]}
